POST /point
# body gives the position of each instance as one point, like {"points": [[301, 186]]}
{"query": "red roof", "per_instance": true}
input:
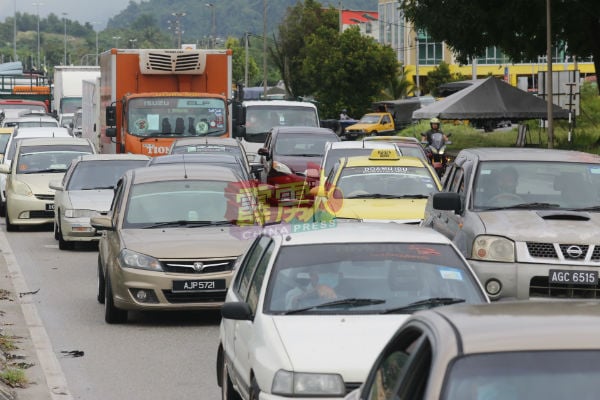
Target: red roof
{"points": [[348, 16]]}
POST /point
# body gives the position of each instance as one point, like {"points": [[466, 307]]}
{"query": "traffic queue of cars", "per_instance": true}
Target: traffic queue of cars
{"points": [[327, 286]]}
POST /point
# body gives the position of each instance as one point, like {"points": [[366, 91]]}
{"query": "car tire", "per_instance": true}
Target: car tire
{"points": [[254, 389], [112, 314], [373, 133], [55, 231], [227, 390], [62, 243], [101, 283], [10, 227]]}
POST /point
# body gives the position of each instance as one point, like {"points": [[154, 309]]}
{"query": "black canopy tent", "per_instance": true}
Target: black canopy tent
{"points": [[490, 99]]}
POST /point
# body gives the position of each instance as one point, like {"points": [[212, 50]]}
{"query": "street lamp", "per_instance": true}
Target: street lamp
{"points": [[132, 43], [96, 23], [212, 30], [178, 30], [38, 32], [65, 20], [116, 38]]}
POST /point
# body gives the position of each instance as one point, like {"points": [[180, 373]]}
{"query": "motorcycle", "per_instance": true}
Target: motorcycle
{"points": [[436, 152]]}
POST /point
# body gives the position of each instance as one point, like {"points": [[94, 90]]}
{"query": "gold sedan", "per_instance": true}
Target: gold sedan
{"points": [[172, 237]]}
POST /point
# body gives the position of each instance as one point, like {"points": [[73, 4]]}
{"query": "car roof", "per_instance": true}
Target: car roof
{"points": [[111, 157], [271, 103], [400, 139], [42, 131], [196, 158], [312, 130], [355, 232], [521, 325], [168, 172], [359, 144], [195, 141], [529, 154], [50, 141], [404, 161]]}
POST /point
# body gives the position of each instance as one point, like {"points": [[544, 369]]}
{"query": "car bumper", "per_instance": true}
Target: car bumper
{"points": [[531, 281], [29, 210], [78, 230], [160, 285]]}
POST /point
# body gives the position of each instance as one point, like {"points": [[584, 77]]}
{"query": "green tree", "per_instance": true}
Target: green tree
{"points": [[440, 75], [347, 70], [288, 52], [399, 87], [239, 62], [517, 27]]}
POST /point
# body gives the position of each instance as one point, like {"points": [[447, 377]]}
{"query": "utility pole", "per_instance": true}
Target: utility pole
{"points": [[549, 76], [265, 48], [38, 33], [246, 45], [65, 20], [15, 33]]}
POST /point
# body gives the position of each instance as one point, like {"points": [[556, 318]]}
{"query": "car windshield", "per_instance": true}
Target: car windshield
{"points": [[27, 124], [260, 119], [98, 174], [207, 149], [48, 159], [366, 278], [523, 184], [334, 155], [186, 203], [531, 375], [369, 119], [301, 144], [391, 181]]}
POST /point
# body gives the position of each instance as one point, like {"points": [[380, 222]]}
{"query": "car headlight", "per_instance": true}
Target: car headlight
{"points": [[282, 168], [75, 213], [21, 188], [132, 259], [288, 383], [493, 248]]}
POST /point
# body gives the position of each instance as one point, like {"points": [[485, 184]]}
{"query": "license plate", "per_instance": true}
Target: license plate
{"points": [[49, 206], [198, 285], [573, 277]]}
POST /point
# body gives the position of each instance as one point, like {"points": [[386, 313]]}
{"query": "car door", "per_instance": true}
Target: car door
{"points": [[239, 293], [402, 369]]}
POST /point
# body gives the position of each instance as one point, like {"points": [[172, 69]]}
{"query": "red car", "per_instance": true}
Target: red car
{"points": [[289, 152]]}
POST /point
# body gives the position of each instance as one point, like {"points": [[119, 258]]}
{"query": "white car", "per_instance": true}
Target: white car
{"points": [[308, 312], [37, 161], [87, 190]]}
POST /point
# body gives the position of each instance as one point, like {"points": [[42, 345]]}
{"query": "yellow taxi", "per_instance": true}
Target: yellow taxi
{"points": [[383, 186]]}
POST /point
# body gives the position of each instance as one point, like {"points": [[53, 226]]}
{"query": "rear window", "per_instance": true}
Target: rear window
{"points": [[48, 159]]}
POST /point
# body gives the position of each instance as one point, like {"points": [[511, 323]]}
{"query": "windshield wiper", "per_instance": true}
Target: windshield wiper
{"points": [[44, 171], [97, 188], [304, 155], [431, 302], [186, 223], [592, 208], [353, 302], [524, 205]]}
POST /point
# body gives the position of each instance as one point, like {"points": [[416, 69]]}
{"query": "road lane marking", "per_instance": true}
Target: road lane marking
{"points": [[57, 383]]}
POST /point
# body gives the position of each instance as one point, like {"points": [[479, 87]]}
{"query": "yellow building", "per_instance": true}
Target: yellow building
{"points": [[420, 55]]}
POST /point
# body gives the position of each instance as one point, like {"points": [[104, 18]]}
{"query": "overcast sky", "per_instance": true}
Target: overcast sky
{"points": [[79, 10]]}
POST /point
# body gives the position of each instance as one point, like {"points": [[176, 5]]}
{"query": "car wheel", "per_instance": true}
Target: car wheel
{"points": [[55, 231], [227, 390], [10, 227], [101, 282], [374, 133], [62, 243], [112, 314], [254, 389]]}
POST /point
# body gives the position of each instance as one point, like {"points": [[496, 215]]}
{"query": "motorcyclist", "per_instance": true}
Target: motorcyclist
{"points": [[344, 115], [435, 127]]}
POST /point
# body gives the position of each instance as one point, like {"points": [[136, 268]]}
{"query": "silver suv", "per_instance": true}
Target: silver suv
{"points": [[526, 219]]}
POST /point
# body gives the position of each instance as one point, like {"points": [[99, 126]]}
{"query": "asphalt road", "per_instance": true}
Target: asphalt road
{"points": [[153, 356]]}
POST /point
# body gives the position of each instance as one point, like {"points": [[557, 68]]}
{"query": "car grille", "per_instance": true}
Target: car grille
{"points": [[539, 286], [208, 297], [566, 251], [45, 197], [41, 214], [198, 266]]}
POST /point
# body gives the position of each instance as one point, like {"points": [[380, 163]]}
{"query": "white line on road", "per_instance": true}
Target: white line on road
{"points": [[55, 378]]}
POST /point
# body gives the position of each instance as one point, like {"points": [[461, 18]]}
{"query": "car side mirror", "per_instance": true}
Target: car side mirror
{"points": [[237, 311], [447, 201], [102, 223], [263, 151], [55, 184]]}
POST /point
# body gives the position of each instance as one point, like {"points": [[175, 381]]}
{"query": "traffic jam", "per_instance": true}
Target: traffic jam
{"points": [[356, 269]]}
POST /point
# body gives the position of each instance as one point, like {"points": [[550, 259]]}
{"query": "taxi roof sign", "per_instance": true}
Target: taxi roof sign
{"points": [[384, 154]]}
